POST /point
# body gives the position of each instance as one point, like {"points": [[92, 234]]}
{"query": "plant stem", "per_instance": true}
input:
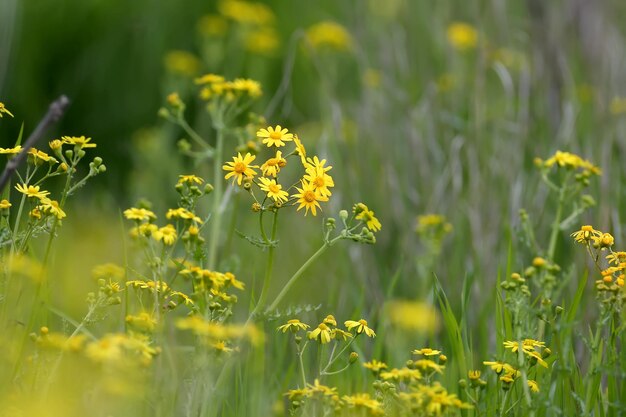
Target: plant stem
{"points": [[556, 226], [268, 269], [216, 215]]}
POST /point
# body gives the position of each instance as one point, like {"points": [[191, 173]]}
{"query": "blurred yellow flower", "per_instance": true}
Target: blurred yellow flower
{"points": [[618, 105], [79, 141], [140, 214], [3, 109], [360, 327], [329, 34], [246, 12], [412, 315], [212, 25], [182, 63], [263, 41], [462, 36], [293, 325], [321, 333]]}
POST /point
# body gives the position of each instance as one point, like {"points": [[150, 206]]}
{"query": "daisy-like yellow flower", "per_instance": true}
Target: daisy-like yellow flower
{"points": [[616, 257], [462, 36], [300, 150], [330, 320], [496, 366], [534, 387], [240, 167], [426, 352], [603, 241], [248, 86], [313, 164], [167, 234], [365, 402], [401, 375], [11, 151], [321, 333], [52, 207], [140, 214], [272, 166], [209, 79], [375, 366], [585, 234], [3, 109], [293, 325], [320, 179], [360, 326], [427, 364], [5, 204], [341, 334], [275, 136], [366, 215], [273, 190], [189, 179], [309, 198], [79, 141], [40, 156], [55, 144], [182, 213], [31, 191]]}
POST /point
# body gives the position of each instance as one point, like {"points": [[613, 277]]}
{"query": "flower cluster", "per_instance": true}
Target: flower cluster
{"points": [[570, 161]]}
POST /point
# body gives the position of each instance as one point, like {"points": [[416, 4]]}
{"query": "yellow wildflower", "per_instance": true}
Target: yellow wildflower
{"points": [[3, 109], [309, 198], [606, 240], [534, 387], [367, 216], [5, 204], [329, 34], [212, 25], [272, 166], [293, 325], [360, 326], [52, 207], [31, 191], [275, 136], [401, 375], [182, 63], [300, 150], [364, 401], [375, 366], [247, 86], [320, 179], [140, 214], [240, 167], [78, 141], [411, 315], [462, 36], [246, 12], [426, 352], [11, 151], [209, 79], [182, 213], [322, 334], [585, 234], [273, 190], [167, 234]]}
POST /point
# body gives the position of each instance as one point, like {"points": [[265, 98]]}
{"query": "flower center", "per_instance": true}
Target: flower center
{"points": [[272, 162], [309, 196], [239, 167], [276, 135], [319, 182], [274, 188]]}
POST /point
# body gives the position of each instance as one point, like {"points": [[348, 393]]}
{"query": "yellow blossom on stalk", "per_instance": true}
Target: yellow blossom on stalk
{"points": [[274, 136], [209, 79], [182, 213], [426, 364], [52, 207], [534, 387], [411, 315], [79, 141], [572, 161], [240, 167], [320, 179], [11, 151], [264, 41], [317, 388], [35, 213], [40, 155], [329, 34], [173, 99], [341, 334], [330, 320], [604, 241], [55, 144], [272, 166], [365, 402], [375, 366], [309, 198], [167, 234], [426, 352], [462, 36], [360, 326], [293, 325], [585, 234], [143, 322], [31, 191], [496, 366], [212, 25], [321, 333], [140, 214], [3, 109], [221, 346], [616, 257], [229, 278], [181, 62], [4, 204], [273, 190], [473, 374], [246, 12], [367, 216], [528, 348], [248, 86], [189, 179], [401, 375], [144, 229]]}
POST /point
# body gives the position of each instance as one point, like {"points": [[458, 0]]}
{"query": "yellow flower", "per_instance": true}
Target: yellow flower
{"points": [[329, 34], [412, 316], [240, 167], [309, 198], [3, 109], [212, 25], [246, 12], [209, 79], [272, 166], [341, 334], [140, 214], [330, 320], [293, 325], [606, 240], [366, 215], [31, 191], [189, 179], [496, 366], [462, 36], [52, 207], [616, 257], [182, 213], [360, 326], [534, 387], [4, 204], [248, 86], [262, 41], [273, 190], [274, 136], [473, 374], [585, 234], [56, 144], [320, 179], [300, 150], [79, 141], [167, 234], [426, 364], [401, 375], [143, 322], [40, 156], [322, 334], [364, 401], [375, 366], [11, 151], [571, 161], [181, 62], [426, 352]]}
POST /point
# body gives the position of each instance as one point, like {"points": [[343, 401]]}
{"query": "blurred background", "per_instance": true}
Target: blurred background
{"points": [[421, 107]]}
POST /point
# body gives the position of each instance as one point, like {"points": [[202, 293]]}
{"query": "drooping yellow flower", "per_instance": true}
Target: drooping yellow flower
{"points": [[321, 333], [330, 320], [462, 36], [246, 12], [300, 150], [11, 151], [52, 207], [40, 156], [4, 204], [401, 375], [496, 366], [167, 234], [603, 241], [79, 141], [360, 326], [534, 387], [293, 325], [31, 191], [272, 166], [209, 79], [140, 214], [364, 402], [263, 41], [427, 364], [585, 234], [570, 161], [309, 198], [212, 25], [363, 213], [273, 190], [240, 167], [275, 136], [3, 109]]}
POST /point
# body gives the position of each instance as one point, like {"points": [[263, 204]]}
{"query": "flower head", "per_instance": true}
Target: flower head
{"points": [[272, 166], [309, 197], [11, 151], [78, 141], [293, 325], [31, 191], [275, 136], [360, 326], [321, 333], [140, 214], [3, 109], [585, 234], [273, 190], [462, 36], [363, 213], [240, 167]]}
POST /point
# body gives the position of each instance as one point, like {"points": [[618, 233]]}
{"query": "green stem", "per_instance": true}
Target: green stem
{"points": [[300, 271], [300, 353], [216, 215], [268, 270], [556, 226]]}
